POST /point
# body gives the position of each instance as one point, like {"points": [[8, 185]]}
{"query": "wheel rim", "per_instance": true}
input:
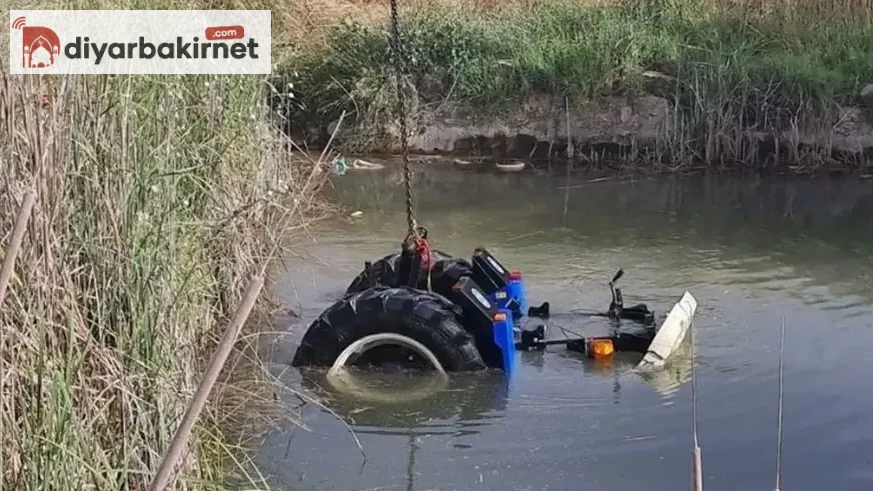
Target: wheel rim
{"points": [[341, 380], [366, 343]]}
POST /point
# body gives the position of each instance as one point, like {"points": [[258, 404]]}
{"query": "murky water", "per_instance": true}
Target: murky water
{"points": [[750, 250]]}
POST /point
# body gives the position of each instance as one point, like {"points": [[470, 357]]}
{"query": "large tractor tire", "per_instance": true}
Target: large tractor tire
{"points": [[446, 271], [424, 317]]}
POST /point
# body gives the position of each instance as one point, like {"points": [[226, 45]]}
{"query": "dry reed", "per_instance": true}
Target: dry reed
{"points": [[310, 18], [157, 199], [213, 369]]}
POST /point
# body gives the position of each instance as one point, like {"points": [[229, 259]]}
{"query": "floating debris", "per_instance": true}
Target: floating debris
{"points": [[340, 166], [514, 166]]}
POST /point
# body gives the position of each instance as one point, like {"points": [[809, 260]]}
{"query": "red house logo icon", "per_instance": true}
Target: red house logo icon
{"points": [[40, 46]]}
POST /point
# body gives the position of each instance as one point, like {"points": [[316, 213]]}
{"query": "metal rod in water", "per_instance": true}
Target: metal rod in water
{"points": [[697, 470], [697, 458], [569, 132], [569, 159], [779, 424]]}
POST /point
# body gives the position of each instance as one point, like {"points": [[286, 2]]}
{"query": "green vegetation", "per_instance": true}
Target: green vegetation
{"points": [[158, 198], [736, 67]]}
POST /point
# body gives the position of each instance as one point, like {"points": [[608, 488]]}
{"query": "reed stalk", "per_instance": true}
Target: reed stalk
{"points": [[156, 198]]}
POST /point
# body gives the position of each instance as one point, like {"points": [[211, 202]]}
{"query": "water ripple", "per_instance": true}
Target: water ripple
{"points": [[560, 423]]}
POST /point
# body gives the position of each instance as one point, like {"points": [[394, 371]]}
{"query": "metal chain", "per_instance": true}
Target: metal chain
{"points": [[401, 114]]}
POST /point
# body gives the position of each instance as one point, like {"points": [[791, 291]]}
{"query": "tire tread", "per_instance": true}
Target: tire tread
{"points": [[426, 317]]}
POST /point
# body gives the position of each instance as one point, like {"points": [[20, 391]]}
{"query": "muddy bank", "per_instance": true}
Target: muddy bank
{"points": [[633, 128], [616, 126], [538, 128], [670, 83]]}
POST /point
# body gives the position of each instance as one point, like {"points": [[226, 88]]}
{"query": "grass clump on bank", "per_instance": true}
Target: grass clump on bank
{"points": [[158, 198], [757, 63]]}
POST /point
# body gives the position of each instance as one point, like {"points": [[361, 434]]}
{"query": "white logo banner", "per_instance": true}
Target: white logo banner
{"points": [[140, 41]]}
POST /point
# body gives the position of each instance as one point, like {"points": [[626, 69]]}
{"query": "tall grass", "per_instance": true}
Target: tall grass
{"points": [[751, 64], [157, 199]]}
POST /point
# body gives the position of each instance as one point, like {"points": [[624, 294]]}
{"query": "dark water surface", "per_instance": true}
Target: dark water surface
{"points": [[750, 251]]}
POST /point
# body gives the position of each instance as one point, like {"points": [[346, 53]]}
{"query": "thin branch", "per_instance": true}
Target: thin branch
{"points": [[779, 427], [310, 400], [180, 439], [15, 244]]}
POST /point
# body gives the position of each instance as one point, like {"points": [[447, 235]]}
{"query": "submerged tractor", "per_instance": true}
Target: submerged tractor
{"points": [[425, 308]]}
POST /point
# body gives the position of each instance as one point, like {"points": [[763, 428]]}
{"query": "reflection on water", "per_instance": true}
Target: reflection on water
{"points": [[750, 250], [467, 397]]}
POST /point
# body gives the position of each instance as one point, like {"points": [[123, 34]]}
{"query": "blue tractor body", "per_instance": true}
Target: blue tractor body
{"points": [[494, 304], [493, 301]]}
